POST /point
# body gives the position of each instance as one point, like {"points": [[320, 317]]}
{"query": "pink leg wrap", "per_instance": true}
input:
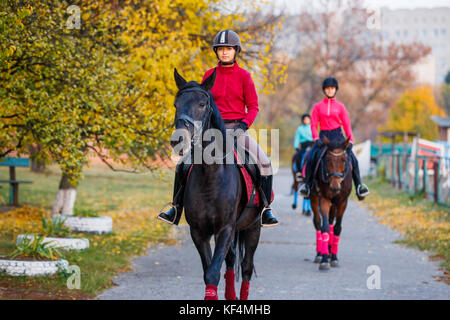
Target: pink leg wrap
{"points": [[245, 286], [211, 292], [325, 239], [334, 247], [230, 292], [331, 235], [318, 241]]}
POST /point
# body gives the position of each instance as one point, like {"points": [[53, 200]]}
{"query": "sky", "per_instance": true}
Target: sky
{"points": [[295, 5]]}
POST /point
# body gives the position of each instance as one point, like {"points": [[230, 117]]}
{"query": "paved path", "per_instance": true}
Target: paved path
{"points": [[284, 264]]}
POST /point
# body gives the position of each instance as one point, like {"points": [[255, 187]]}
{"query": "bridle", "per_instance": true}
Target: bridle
{"points": [[198, 129], [326, 176]]}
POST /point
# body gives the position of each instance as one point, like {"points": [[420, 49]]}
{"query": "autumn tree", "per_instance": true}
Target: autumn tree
{"points": [[412, 113], [97, 76], [332, 39]]}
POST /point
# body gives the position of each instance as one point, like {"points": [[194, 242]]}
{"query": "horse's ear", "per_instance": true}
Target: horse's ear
{"points": [[209, 82], [326, 141], [179, 79]]}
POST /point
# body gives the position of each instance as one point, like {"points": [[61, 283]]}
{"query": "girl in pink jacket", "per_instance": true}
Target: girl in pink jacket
{"points": [[332, 116]]}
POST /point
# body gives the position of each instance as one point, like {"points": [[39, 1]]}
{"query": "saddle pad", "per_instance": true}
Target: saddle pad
{"points": [[248, 183]]}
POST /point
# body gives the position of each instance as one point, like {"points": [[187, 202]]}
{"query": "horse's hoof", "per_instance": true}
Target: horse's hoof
{"points": [[294, 206], [324, 266], [334, 263], [317, 259]]}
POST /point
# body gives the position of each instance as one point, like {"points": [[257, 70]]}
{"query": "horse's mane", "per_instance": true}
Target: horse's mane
{"points": [[336, 144], [216, 117]]}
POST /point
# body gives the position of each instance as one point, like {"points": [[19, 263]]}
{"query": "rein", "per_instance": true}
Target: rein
{"points": [[198, 129]]}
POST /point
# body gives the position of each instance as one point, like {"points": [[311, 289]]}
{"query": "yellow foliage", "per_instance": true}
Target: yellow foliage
{"points": [[412, 113], [22, 220], [109, 85]]}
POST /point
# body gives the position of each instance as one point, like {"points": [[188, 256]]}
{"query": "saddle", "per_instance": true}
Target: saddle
{"points": [[251, 176]]}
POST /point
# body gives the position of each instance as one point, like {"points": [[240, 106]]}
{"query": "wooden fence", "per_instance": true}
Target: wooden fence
{"points": [[427, 175]]}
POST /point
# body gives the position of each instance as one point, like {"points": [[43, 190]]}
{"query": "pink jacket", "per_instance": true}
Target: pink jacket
{"points": [[330, 114]]}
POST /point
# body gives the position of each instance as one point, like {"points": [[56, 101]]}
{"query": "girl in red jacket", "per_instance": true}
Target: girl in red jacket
{"points": [[331, 115], [235, 95]]}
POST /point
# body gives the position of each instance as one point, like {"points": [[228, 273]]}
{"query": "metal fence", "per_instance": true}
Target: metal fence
{"points": [[427, 175]]}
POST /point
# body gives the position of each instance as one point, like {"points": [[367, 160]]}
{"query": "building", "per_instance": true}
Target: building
{"points": [[444, 128], [430, 27]]}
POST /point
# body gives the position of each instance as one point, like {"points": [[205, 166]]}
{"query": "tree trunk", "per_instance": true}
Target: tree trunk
{"points": [[65, 198], [36, 164]]}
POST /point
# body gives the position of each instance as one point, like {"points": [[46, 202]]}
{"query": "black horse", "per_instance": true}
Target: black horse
{"points": [[215, 198]]}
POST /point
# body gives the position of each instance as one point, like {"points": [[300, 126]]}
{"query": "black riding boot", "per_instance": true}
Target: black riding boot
{"points": [[305, 189], [173, 216], [298, 161], [361, 189], [267, 219]]}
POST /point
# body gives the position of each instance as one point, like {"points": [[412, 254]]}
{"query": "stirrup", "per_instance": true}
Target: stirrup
{"points": [[171, 205], [362, 195], [298, 176], [305, 191], [267, 225]]}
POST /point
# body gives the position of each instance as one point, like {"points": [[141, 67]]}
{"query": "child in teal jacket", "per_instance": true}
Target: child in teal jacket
{"points": [[302, 140]]}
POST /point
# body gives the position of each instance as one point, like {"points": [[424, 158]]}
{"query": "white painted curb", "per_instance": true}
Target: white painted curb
{"points": [[97, 225], [62, 243], [32, 268]]}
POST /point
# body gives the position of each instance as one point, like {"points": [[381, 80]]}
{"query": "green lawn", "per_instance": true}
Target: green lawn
{"points": [[101, 189], [132, 200]]}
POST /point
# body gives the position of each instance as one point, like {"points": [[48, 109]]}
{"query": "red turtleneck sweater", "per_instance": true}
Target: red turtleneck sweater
{"points": [[330, 114], [234, 93]]}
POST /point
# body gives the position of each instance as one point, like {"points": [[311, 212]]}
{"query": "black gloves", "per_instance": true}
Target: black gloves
{"points": [[350, 146], [243, 126]]}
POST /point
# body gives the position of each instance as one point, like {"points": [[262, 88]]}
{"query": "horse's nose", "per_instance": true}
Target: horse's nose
{"points": [[335, 189]]}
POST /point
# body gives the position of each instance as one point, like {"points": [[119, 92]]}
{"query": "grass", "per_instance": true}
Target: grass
{"points": [[424, 225], [131, 200], [85, 213]]}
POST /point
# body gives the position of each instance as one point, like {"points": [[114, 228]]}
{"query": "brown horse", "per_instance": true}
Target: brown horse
{"points": [[329, 199]]}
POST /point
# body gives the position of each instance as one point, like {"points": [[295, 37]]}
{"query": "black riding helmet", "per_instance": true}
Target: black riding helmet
{"points": [[330, 82], [227, 38]]}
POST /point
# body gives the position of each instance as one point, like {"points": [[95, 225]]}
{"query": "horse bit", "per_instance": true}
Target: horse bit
{"points": [[335, 174]]}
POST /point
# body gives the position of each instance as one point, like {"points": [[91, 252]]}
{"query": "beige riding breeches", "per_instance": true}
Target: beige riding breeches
{"points": [[258, 156]]}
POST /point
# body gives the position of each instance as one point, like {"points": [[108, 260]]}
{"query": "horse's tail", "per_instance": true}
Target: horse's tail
{"points": [[239, 242]]}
